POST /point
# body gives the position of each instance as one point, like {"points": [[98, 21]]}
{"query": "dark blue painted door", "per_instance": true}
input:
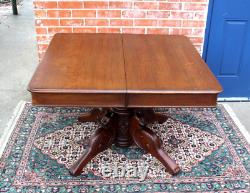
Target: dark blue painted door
{"points": [[228, 46]]}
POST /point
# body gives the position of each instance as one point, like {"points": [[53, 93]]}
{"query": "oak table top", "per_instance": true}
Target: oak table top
{"points": [[123, 70]]}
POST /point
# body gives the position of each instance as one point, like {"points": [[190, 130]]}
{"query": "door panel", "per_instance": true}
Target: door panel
{"points": [[228, 51], [234, 34]]}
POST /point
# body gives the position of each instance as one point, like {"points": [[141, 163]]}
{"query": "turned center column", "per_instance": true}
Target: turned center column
{"points": [[123, 137]]}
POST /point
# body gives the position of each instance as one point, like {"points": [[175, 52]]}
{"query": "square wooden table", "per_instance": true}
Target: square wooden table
{"points": [[123, 76]]}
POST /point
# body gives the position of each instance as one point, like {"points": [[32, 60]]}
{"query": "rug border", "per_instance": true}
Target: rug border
{"points": [[237, 122], [10, 126], [17, 116]]}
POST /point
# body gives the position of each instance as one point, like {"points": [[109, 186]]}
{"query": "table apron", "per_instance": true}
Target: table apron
{"points": [[171, 100], [124, 100], [79, 99]]}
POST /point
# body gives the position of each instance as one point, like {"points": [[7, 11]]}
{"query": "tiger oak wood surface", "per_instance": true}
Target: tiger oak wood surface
{"points": [[123, 70], [170, 72], [167, 64], [81, 63]]}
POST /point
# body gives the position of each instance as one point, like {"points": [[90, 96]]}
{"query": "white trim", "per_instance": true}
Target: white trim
{"points": [[233, 99], [241, 127], [10, 126]]}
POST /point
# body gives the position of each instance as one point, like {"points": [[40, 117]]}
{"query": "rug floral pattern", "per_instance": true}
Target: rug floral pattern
{"points": [[205, 142]]}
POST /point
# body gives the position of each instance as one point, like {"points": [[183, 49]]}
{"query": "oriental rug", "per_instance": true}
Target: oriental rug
{"points": [[206, 143]]}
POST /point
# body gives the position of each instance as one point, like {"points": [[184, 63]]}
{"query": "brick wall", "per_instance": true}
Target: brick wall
{"points": [[186, 17]]}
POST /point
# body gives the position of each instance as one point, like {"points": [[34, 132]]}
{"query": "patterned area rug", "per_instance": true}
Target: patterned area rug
{"points": [[205, 142]]}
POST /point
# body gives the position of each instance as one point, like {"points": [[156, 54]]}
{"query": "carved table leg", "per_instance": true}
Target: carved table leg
{"points": [[91, 116], [122, 126], [102, 138], [148, 116], [147, 140]]}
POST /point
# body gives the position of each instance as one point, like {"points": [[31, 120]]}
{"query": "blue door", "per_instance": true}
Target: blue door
{"points": [[227, 46]]}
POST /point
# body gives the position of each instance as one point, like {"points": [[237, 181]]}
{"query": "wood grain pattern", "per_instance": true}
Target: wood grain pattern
{"points": [[171, 100], [81, 63], [165, 64], [79, 99], [123, 70]]}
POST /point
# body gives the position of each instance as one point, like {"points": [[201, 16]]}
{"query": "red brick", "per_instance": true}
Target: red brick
{"points": [[59, 13], [40, 30], [83, 13], [194, 0], [42, 47], [70, 4], [175, 31], [192, 23], [92, 16], [42, 38], [134, 30], [170, 23], [109, 30], [53, 30], [192, 32], [195, 6], [199, 15], [96, 4], [120, 5], [187, 31], [158, 31], [145, 22], [45, 5], [109, 13], [133, 14], [84, 30], [121, 22], [158, 14], [47, 22], [198, 32], [40, 13], [96, 22], [71, 22], [146, 5], [181, 15], [196, 39], [170, 6]]}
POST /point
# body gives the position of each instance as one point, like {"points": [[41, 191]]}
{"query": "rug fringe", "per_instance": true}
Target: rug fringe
{"points": [[236, 120], [11, 125]]}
